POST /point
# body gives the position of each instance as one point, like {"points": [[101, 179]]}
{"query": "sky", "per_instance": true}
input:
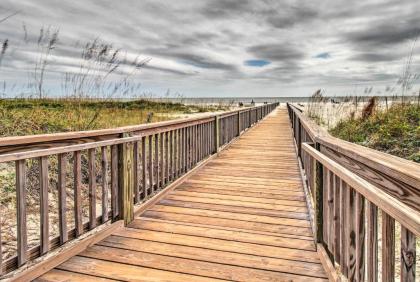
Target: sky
{"points": [[220, 48]]}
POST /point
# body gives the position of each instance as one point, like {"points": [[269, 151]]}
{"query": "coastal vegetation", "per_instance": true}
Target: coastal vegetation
{"points": [[395, 130], [37, 116]]}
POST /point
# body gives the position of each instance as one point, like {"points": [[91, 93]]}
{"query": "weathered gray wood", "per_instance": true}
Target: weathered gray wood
{"points": [[22, 235], [162, 160], [156, 162], [216, 134], [43, 198], [404, 192], [351, 214], [371, 242], [325, 205], [344, 227], [92, 187], [62, 195], [319, 203], [104, 163], [388, 247], [175, 164], [77, 196], [150, 165], [167, 158], [360, 237], [337, 219], [136, 172], [114, 182], [408, 255], [144, 167], [126, 182], [407, 216]]}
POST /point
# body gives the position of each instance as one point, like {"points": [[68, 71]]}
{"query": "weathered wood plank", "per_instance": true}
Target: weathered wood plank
{"points": [[371, 242], [114, 182], [22, 235], [43, 198], [105, 188], [408, 255], [62, 196], [388, 247], [92, 187], [77, 194]]}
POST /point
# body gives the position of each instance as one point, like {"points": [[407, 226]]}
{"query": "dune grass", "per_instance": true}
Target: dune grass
{"points": [[395, 131], [36, 116]]}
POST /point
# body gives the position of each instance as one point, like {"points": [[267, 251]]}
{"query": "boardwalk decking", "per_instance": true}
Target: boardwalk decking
{"points": [[241, 217]]}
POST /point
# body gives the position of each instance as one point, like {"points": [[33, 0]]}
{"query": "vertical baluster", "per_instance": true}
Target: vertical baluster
{"points": [[325, 199], [182, 148], [388, 247], [187, 148], [114, 181], [171, 156], [351, 235], [337, 219], [22, 236], [136, 172], [360, 237], [150, 167], [92, 188], [344, 227], [77, 171], [408, 255], [331, 211], [44, 223], [104, 164], [371, 242], [176, 154], [199, 143], [62, 206], [157, 168], [144, 166], [162, 167], [192, 145], [167, 153]]}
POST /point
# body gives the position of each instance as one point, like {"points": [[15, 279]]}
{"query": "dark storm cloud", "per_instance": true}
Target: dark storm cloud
{"points": [[374, 57], [284, 52], [225, 8], [191, 58], [287, 16], [385, 34]]}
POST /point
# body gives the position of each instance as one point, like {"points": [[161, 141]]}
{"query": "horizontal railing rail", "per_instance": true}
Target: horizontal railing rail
{"points": [[82, 180], [352, 190]]}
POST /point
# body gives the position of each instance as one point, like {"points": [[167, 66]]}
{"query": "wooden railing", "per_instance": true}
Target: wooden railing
{"points": [[352, 189], [114, 168]]}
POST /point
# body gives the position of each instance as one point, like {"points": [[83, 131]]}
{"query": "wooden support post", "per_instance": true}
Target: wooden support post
{"points": [[216, 134], [125, 182]]}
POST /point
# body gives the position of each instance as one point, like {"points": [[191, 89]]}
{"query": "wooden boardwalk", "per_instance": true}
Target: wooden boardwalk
{"points": [[241, 217]]}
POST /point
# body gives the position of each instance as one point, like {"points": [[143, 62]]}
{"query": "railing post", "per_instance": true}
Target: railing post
{"points": [[125, 181], [216, 134], [239, 123]]}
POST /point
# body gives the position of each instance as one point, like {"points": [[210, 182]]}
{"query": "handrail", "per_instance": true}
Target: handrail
{"points": [[115, 168], [396, 176], [39, 139], [349, 184], [382, 200]]}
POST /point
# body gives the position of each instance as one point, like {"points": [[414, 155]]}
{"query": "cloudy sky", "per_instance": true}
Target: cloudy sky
{"points": [[223, 48]]}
